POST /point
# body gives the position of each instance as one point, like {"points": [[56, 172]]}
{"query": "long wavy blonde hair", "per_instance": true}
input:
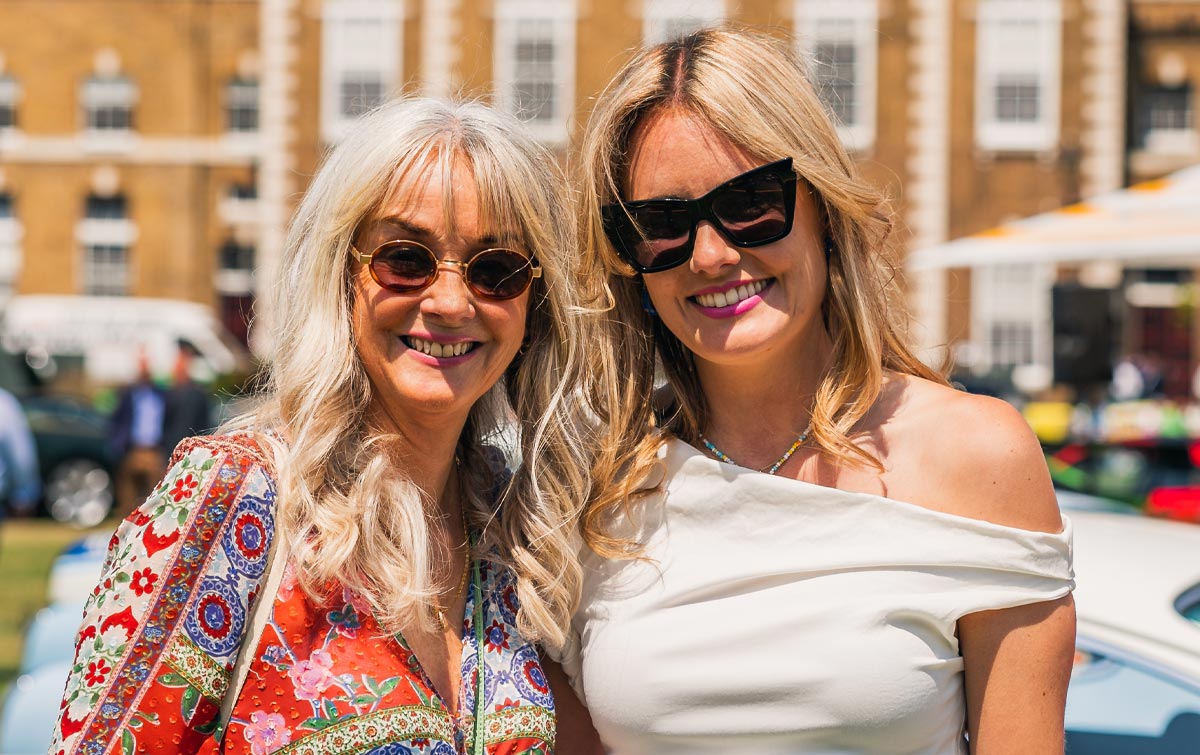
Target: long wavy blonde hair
{"points": [[348, 512], [754, 90]]}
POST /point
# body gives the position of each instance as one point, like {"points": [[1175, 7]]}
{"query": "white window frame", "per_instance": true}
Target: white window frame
{"points": [[995, 59], [10, 97], [512, 19], [1180, 139], [1016, 294], [241, 94], [92, 233], [358, 37], [856, 23], [108, 92], [667, 19], [11, 233]]}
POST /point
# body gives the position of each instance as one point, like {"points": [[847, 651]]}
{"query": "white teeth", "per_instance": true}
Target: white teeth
{"points": [[439, 349], [732, 296]]}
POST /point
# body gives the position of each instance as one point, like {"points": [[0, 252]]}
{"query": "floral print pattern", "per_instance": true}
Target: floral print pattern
{"points": [[163, 628]]}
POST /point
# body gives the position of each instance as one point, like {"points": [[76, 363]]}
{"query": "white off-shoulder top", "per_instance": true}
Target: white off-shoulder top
{"points": [[778, 616]]}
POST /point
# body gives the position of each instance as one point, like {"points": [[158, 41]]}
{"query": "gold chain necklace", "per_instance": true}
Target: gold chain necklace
{"points": [[439, 609], [773, 468]]}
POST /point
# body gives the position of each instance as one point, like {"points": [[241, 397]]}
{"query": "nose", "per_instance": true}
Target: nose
{"points": [[712, 253], [448, 297]]}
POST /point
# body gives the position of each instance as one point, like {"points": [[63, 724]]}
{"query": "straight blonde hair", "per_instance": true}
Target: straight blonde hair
{"points": [[755, 91], [348, 512]]}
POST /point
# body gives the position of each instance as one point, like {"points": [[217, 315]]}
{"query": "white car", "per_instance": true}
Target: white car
{"points": [[1135, 689]]}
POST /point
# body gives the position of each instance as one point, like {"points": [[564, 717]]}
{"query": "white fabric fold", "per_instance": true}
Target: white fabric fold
{"points": [[777, 616]]}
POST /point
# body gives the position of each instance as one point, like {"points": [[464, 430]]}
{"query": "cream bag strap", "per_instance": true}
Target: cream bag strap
{"points": [[256, 621]]}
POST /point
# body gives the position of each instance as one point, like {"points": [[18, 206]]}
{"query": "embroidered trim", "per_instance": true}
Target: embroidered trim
{"points": [[198, 667], [527, 721], [163, 617], [375, 729]]}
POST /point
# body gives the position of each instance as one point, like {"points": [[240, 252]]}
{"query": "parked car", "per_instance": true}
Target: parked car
{"points": [[1135, 689], [71, 438]]}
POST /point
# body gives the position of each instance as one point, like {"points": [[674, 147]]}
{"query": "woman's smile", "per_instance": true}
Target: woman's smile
{"points": [[731, 299]]}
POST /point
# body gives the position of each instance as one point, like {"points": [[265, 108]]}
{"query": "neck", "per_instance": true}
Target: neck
{"points": [[425, 447], [757, 409]]}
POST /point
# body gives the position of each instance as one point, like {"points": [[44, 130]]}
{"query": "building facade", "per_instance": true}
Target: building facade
{"points": [[163, 152]]}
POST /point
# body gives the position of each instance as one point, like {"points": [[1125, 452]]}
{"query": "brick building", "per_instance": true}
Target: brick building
{"points": [[162, 152]]}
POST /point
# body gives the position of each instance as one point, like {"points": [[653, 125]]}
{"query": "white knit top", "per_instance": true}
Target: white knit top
{"points": [[778, 616]]}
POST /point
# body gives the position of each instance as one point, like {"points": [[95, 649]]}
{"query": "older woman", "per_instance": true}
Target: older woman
{"points": [[838, 552], [422, 301]]}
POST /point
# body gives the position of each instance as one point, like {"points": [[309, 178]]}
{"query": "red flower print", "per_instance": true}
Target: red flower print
{"points": [[183, 488], [97, 671], [508, 703], [497, 637], [155, 542], [124, 619], [143, 581], [87, 634], [68, 726]]}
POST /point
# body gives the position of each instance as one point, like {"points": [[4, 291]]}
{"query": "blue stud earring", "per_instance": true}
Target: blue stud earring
{"points": [[647, 305]]}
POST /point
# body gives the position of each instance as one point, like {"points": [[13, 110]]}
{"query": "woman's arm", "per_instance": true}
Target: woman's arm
{"points": [[161, 630], [576, 735], [1017, 661]]}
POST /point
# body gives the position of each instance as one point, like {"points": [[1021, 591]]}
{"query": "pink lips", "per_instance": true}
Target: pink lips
{"points": [[731, 310]]}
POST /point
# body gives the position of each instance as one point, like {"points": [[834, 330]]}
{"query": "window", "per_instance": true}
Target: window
{"points": [[360, 91], [108, 103], [1011, 315], [10, 95], [1165, 120], [362, 46], [1119, 702], [671, 19], [106, 235], [235, 256], [10, 244], [1017, 71], [241, 105], [535, 64], [840, 37]]}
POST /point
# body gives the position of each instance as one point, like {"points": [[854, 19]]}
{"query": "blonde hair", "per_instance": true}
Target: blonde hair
{"points": [[754, 90], [346, 509]]}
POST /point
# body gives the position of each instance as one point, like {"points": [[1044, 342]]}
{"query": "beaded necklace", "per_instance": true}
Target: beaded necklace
{"points": [[721, 455]]}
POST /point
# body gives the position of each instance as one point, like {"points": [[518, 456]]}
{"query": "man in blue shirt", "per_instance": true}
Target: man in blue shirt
{"points": [[135, 436]]}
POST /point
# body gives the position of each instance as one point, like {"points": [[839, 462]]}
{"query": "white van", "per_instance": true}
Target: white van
{"points": [[109, 332]]}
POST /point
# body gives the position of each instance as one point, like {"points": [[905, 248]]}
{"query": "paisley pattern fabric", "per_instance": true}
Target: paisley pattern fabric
{"points": [[162, 630]]}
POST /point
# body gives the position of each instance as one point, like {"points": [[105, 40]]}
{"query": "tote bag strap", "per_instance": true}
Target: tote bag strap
{"points": [[256, 621]]}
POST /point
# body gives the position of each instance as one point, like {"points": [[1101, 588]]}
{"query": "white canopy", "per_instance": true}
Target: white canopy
{"points": [[1154, 223]]}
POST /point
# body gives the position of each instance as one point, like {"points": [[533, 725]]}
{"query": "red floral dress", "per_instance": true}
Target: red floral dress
{"points": [[162, 630]]}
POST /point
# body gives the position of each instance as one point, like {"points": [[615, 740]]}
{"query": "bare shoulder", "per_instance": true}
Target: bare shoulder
{"points": [[974, 456]]}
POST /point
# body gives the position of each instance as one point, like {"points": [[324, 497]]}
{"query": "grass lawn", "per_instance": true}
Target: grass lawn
{"points": [[27, 549]]}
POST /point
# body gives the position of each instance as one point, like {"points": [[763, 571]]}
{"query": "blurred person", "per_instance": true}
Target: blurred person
{"points": [[20, 481], [807, 541], [135, 437], [426, 294], [187, 409]]}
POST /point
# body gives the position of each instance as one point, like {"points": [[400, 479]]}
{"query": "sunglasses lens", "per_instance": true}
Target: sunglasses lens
{"points": [[753, 210], [500, 273], [656, 235], [403, 267]]}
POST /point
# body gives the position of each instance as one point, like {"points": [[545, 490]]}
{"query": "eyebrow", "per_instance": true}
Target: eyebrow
{"points": [[419, 231]]}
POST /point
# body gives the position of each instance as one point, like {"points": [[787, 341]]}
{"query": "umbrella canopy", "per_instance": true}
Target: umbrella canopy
{"points": [[1156, 223]]}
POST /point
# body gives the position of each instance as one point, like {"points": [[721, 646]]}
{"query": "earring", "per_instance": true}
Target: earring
{"points": [[647, 305], [828, 248]]}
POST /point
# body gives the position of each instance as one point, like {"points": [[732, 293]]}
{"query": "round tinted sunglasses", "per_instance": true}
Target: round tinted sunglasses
{"points": [[407, 267], [755, 208]]}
